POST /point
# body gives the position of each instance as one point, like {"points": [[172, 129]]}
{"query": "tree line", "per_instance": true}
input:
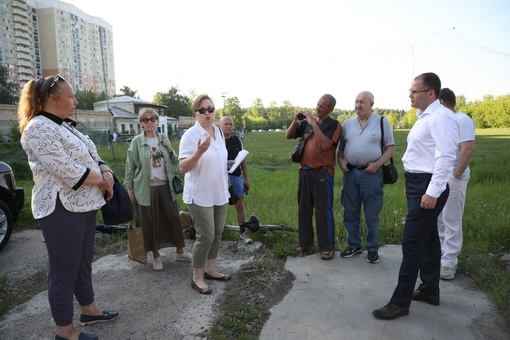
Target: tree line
{"points": [[490, 112]]}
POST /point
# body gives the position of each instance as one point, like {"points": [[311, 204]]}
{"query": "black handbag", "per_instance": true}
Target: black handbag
{"points": [[299, 150], [177, 185], [119, 208], [233, 196], [390, 173]]}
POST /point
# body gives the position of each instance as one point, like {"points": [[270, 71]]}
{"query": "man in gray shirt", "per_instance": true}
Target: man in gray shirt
{"points": [[361, 157]]}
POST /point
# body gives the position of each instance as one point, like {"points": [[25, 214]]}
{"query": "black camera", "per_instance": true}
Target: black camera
{"points": [[301, 116]]}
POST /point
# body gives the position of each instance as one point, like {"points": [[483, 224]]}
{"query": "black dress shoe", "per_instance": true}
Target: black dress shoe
{"points": [[430, 299], [390, 312], [82, 336], [91, 319], [224, 277]]}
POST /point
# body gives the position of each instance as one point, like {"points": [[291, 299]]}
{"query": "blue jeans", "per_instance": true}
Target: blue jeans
{"points": [[362, 188], [238, 183]]}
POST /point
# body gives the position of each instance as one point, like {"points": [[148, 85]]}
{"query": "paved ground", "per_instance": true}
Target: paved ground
{"points": [[335, 299], [329, 299]]}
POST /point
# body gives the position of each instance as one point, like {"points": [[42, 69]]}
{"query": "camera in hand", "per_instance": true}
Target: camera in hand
{"points": [[301, 116]]}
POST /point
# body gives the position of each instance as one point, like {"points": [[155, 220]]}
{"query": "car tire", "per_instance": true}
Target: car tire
{"points": [[6, 224]]}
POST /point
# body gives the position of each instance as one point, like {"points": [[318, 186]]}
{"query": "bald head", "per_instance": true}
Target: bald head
{"points": [[227, 126], [364, 103]]}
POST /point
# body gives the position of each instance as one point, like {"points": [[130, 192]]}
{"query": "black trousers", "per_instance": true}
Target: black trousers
{"points": [[315, 193], [421, 249], [69, 238]]}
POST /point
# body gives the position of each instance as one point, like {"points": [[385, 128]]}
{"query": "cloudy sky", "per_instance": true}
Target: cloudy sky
{"points": [[297, 50]]}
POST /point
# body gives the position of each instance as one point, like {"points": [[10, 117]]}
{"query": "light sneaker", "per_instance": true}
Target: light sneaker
{"points": [[184, 257], [245, 238], [157, 263], [448, 273]]}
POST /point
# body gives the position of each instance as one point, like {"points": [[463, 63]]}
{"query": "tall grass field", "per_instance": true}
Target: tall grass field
{"points": [[273, 199]]}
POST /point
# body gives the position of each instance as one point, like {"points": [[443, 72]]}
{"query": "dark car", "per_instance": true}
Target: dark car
{"points": [[12, 199]]}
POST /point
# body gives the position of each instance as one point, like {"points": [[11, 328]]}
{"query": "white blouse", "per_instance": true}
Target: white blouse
{"points": [[207, 183]]}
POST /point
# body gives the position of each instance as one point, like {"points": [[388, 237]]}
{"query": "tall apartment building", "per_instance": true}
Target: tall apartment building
{"points": [[39, 38]]}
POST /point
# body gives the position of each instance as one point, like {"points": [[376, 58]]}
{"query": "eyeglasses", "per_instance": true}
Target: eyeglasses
{"points": [[415, 92], [146, 120], [54, 82], [202, 111]]}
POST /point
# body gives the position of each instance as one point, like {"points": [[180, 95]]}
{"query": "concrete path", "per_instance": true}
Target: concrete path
{"points": [[334, 300]]}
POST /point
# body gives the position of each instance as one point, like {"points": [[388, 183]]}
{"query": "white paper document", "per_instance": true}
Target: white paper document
{"points": [[240, 157]]}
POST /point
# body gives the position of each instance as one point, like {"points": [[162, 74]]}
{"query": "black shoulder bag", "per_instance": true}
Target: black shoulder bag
{"points": [[299, 150], [176, 181], [390, 174], [119, 209]]}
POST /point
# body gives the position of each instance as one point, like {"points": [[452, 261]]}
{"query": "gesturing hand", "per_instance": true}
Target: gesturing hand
{"points": [[203, 146]]}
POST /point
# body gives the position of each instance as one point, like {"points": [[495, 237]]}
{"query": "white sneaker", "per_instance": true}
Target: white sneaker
{"points": [[448, 273], [245, 238], [184, 257], [157, 264]]}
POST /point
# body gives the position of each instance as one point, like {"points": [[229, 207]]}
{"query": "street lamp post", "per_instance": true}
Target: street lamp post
{"points": [[224, 95]]}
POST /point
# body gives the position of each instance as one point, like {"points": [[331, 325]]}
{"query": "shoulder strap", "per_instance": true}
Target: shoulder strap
{"points": [[382, 136], [382, 139]]}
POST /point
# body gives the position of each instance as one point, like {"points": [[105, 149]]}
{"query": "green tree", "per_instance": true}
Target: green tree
{"points": [[287, 113], [126, 91], [257, 109], [234, 110], [177, 103], [86, 99], [14, 134], [409, 118], [393, 119], [7, 88]]}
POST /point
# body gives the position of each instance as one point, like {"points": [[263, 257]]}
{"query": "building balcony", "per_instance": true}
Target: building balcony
{"points": [[23, 49], [25, 28], [25, 71], [20, 19], [21, 34], [22, 77], [23, 56], [21, 13], [23, 42], [19, 5], [24, 63]]}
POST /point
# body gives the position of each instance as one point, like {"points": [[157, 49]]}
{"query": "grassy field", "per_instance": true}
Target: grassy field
{"points": [[273, 199]]}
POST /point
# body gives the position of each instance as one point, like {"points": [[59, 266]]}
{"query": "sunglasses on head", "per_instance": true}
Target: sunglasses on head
{"points": [[202, 111], [146, 120], [54, 82]]}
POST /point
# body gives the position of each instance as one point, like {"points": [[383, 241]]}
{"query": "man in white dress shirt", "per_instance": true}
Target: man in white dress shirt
{"points": [[428, 164]]}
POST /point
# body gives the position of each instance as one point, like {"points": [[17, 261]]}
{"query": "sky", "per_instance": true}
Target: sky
{"points": [[297, 50]]}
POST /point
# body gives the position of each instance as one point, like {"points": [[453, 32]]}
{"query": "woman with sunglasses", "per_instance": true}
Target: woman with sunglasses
{"points": [[71, 183], [149, 177], [203, 160]]}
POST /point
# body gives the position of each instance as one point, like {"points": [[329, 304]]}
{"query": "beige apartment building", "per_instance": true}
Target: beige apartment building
{"points": [[39, 38]]}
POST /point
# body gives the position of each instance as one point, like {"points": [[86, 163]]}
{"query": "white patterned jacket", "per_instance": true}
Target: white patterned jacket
{"points": [[60, 158]]}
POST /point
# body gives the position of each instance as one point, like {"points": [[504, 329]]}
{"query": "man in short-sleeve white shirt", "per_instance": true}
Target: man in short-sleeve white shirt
{"points": [[450, 220]]}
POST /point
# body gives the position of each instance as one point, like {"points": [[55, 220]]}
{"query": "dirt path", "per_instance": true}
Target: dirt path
{"points": [[153, 305]]}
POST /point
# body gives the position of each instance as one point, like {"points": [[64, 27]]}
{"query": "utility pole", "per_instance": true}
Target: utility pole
{"points": [[105, 77]]}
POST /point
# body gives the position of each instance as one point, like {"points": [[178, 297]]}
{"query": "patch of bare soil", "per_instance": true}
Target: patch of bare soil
{"points": [[258, 286]]}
